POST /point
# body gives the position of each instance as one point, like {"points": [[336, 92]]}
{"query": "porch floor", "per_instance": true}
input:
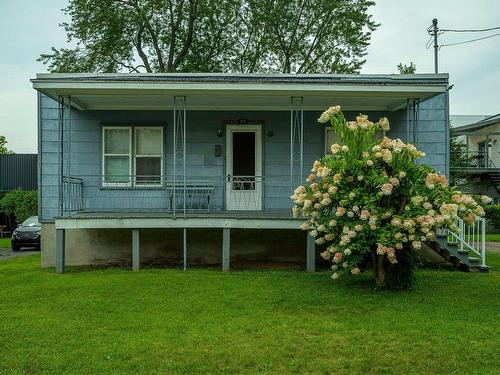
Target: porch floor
{"points": [[268, 214], [278, 219]]}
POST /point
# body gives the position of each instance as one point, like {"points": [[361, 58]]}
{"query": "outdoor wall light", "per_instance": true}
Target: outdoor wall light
{"points": [[220, 132], [270, 133]]}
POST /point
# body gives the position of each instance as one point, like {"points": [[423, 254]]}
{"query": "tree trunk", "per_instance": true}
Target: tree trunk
{"points": [[380, 270]]}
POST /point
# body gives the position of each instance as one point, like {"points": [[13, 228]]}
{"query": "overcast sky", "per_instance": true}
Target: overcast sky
{"points": [[30, 27]]}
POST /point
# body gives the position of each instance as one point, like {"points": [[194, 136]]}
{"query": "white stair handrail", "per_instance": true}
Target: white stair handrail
{"points": [[471, 237]]}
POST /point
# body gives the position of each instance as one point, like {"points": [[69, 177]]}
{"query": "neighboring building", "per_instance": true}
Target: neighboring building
{"points": [[482, 147], [460, 120], [199, 168], [18, 171]]}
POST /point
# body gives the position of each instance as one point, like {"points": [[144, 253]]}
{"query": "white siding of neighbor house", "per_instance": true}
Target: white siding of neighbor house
{"points": [[494, 141], [202, 126]]}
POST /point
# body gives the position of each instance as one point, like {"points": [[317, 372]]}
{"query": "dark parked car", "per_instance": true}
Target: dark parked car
{"points": [[27, 234]]}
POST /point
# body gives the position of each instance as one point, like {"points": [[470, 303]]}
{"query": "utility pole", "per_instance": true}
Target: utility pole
{"points": [[435, 33]]}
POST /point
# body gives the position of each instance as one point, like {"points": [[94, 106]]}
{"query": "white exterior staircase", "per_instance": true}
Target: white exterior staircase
{"points": [[465, 249]]}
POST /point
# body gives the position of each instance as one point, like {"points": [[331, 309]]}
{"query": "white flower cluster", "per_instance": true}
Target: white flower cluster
{"points": [[369, 203]]}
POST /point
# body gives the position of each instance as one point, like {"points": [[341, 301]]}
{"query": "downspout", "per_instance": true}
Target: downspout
{"points": [[447, 131]]}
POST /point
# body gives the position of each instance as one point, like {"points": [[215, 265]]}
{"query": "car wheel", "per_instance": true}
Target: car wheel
{"points": [[15, 247]]}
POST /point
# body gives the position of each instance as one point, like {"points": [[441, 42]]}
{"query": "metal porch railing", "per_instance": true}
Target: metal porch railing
{"points": [[469, 237], [72, 193], [473, 160], [126, 193]]}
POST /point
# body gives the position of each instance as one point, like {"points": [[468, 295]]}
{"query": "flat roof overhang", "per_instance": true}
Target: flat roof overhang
{"points": [[213, 91]]}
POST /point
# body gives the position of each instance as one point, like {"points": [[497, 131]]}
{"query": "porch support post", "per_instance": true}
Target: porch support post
{"points": [[61, 154], [226, 245], [184, 248], [68, 193], [487, 152], [60, 250], [415, 108], [179, 157], [311, 254], [407, 120], [136, 244], [296, 142]]}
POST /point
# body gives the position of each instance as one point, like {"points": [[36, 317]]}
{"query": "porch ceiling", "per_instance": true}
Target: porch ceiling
{"points": [[241, 92]]}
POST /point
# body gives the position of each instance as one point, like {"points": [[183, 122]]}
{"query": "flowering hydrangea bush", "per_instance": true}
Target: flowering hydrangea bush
{"points": [[370, 204]]}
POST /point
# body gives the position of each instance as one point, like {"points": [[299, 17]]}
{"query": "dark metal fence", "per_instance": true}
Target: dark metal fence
{"points": [[18, 171]]}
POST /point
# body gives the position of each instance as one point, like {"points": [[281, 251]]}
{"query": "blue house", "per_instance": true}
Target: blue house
{"points": [[189, 169]]}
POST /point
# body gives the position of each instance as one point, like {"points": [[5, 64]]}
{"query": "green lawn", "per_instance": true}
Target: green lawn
{"points": [[205, 321], [493, 237], [4, 243], [490, 237]]}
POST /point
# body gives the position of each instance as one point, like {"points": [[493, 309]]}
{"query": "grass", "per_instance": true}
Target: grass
{"points": [[493, 237], [205, 321], [4, 243], [490, 237]]}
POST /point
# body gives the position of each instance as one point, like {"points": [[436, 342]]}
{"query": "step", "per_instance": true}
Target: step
{"points": [[481, 268], [452, 243], [463, 251], [474, 259]]}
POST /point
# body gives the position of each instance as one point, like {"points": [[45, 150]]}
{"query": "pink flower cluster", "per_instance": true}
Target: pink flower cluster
{"points": [[389, 251], [363, 199], [434, 179]]}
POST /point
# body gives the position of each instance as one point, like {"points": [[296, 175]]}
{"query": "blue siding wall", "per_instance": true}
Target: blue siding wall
{"points": [[202, 126]]}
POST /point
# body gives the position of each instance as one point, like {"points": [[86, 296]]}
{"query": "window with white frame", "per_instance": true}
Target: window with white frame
{"points": [[117, 155], [132, 155], [148, 155], [331, 138]]}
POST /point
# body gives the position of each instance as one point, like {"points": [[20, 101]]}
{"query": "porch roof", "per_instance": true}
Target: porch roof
{"points": [[472, 129], [218, 91]]}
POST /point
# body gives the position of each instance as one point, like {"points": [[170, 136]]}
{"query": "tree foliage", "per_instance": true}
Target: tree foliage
{"points": [[407, 69], [3, 146], [369, 205], [292, 36], [19, 204], [460, 163]]}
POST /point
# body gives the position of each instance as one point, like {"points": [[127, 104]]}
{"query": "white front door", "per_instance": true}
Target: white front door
{"points": [[244, 167]]}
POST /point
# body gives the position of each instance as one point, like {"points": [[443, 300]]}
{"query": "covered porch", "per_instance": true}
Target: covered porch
{"points": [[233, 147]]}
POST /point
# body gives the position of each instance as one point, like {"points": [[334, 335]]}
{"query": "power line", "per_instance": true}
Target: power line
{"points": [[468, 41], [434, 32], [470, 30]]}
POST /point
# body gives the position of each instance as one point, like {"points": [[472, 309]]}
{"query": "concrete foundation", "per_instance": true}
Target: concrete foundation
{"points": [[165, 246]]}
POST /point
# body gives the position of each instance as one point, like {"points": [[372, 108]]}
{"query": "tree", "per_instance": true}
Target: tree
{"points": [[460, 162], [3, 147], [369, 205], [407, 69], [294, 36], [305, 36], [18, 205]]}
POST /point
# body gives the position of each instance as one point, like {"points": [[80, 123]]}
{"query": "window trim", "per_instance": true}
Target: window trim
{"points": [[327, 129], [132, 180], [135, 156], [104, 183]]}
